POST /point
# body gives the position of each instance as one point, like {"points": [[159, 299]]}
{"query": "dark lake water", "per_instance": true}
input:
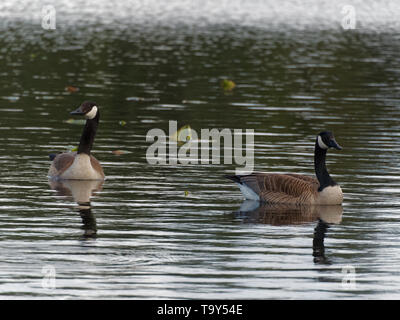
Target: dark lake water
{"points": [[177, 231]]}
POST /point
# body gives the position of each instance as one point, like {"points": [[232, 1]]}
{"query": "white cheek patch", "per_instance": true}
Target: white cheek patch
{"points": [[321, 144], [92, 113]]}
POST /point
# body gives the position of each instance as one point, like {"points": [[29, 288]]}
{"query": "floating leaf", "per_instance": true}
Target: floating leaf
{"points": [[122, 123], [118, 152], [75, 121], [71, 148], [71, 89], [186, 193], [228, 85], [182, 135]]}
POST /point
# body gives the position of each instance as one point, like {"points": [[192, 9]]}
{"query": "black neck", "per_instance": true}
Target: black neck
{"points": [[88, 134], [321, 172]]}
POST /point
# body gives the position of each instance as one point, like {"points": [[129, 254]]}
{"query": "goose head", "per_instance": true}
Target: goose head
{"points": [[326, 140], [88, 109]]}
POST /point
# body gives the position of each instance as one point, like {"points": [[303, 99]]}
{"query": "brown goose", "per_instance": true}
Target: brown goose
{"points": [[296, 188], [80, 165]]}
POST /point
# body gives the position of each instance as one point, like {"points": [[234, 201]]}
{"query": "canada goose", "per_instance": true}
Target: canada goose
{"points": [[80, 165], [296, 188]]}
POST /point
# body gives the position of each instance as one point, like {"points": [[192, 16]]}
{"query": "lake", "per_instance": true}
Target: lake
{"points": [[181, 231]]}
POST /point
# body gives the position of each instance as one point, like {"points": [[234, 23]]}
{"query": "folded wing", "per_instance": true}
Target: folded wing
{"points": [[280, 188]]}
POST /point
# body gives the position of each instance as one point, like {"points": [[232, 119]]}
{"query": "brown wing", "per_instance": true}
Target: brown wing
{"points": [[305, 178], [61, 163], [281, 188]]}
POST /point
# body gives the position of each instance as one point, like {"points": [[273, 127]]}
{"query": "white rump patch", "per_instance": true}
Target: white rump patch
{"points": [[92, 113], [321, 144], [248, 193]]}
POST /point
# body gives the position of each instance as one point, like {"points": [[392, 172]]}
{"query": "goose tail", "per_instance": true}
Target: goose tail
{"points": [[248, 186]]}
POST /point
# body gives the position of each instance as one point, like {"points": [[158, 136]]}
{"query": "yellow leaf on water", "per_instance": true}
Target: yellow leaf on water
{"points": [[186, 193], [71, 149], [182, 135], [228, 85], [122, 123]]}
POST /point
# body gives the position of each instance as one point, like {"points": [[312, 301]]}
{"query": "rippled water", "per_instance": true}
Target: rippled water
{"points": [[183, 231]]}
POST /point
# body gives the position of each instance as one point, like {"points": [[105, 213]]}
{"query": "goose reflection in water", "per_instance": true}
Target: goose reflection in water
{"points": [[80, 191], [283, 215]]}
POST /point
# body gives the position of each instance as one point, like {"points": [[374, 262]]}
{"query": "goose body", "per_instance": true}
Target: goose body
{"points": [[296, 188], [80, 165]]}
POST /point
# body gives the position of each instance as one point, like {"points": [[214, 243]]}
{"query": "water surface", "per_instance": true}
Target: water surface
{"points": [[181, 231]]}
